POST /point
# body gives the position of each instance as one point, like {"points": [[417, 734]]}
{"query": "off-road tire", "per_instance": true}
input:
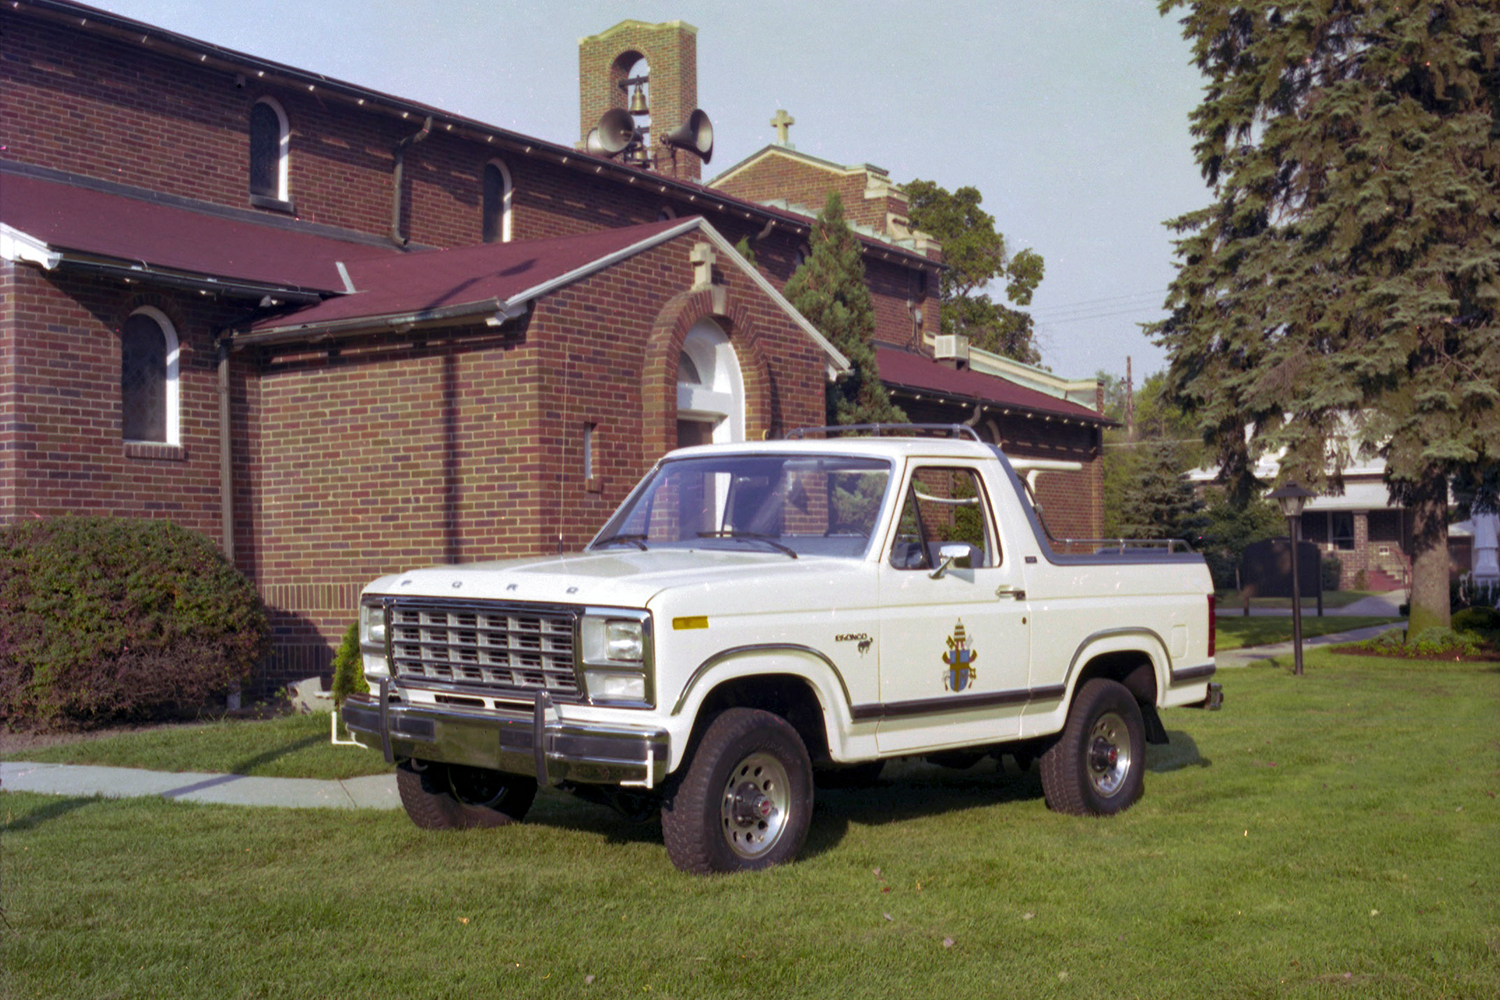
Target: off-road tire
{"points": [[746, 761], [1097, 766], [451, 796]]}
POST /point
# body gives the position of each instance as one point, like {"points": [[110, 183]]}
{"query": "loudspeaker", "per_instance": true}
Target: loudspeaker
{"points": [[696, 135], [615, 133]]}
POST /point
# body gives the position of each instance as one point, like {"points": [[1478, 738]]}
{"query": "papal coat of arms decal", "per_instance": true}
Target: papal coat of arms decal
{"points": [[960, 659]]}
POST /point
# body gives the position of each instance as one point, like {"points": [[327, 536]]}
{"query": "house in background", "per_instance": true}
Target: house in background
{"points": [[344, 333], [1369, 536]]}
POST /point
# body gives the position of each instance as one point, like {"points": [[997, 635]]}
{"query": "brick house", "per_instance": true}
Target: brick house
{"points": [[343, 333]]}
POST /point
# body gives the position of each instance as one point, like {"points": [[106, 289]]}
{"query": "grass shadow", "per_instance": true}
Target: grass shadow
{"points": [[913, 789], [1180, 752], [245, 766], [54, 809]]}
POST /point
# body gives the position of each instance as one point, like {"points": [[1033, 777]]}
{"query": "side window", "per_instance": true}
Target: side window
{"points": [[944, 505], [496, 208], [270, 138], [148, 378]]}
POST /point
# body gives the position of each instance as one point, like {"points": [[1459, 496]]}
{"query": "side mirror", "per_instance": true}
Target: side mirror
{"points": [[948, 556]]}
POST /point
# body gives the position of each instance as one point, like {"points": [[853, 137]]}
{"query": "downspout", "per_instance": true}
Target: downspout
{"points": [[396, 175], [226, 458]]}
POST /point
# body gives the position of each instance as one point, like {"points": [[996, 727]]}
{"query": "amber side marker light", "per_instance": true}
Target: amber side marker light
{"points": [[696, 621]]}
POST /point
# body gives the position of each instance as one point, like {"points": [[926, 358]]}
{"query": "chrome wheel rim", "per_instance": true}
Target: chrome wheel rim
{"points": [[753, 808], [1108, 753]]}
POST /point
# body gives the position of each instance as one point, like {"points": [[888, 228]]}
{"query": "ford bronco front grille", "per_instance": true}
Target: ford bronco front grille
{"points": [[509, 649]]}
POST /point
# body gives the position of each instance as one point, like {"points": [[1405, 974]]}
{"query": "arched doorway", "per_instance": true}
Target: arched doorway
{"points": [[710, 391]]}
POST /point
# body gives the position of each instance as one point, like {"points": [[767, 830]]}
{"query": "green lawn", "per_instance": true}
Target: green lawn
{"points": [[1331, 599], [1326, 836], [292, 746], [1234, 632]]}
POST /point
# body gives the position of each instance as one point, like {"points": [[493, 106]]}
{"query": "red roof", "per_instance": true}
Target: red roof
{"points": [[487, 276], [156, 234], [918, 372]]}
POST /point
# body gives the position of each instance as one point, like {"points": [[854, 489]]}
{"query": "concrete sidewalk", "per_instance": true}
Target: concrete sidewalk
{"points": [[1246, 655], [377, 791]]}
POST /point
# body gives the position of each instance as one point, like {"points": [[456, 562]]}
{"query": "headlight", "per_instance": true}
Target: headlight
{"points": [[612, 640], [606, 686], [372, 625], [615, 650]]}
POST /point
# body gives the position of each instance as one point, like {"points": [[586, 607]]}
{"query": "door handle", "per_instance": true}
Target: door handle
{"points": [[1010, 590]]}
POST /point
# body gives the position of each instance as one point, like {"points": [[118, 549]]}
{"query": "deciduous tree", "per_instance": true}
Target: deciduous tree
{"points": [[975, 253], [1347, 271]]}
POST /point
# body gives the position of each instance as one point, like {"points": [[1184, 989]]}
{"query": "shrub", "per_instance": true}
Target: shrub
{"points": [[348, 668], [1442, 642], [1361, 581], [1476, 620], [1333, 572], [109, 619]]}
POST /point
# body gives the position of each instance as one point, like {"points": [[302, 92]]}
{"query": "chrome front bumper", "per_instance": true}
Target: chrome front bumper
{"points": [[536, 742]]}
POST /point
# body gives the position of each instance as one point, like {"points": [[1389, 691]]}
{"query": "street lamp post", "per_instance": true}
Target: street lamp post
{"points": [[1291, 497]]}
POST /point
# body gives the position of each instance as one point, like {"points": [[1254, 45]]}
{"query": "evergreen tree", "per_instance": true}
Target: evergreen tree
{"points": [[975, 254], [1160, 502], [830, 290], [1348, 269]]}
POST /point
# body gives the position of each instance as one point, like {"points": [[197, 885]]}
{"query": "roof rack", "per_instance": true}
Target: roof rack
{"points": [[891, 430]]}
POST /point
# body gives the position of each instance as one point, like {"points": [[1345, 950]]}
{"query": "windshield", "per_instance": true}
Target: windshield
{"points": [[825, 505]]}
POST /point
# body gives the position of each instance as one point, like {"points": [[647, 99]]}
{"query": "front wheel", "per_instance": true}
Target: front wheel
{"points": [[745, 799], [1096, 766], [441, 796]]}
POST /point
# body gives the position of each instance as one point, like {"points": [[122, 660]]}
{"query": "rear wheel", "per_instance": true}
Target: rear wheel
{"points": [[1097, 764], [745, 800], [441, 796]]}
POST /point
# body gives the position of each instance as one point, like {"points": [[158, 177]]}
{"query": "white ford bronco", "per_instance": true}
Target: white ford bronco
{"points": [[759, 617]]}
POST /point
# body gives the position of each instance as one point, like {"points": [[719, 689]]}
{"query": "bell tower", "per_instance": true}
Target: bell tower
{"points": [[650, 71]]}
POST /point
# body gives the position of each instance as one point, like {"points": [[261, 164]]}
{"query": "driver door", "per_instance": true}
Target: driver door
{"points": [[955, 644]]}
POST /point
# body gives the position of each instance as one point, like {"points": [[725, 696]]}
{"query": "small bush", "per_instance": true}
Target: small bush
{"points": [[348, 668], [1361, 580], [111, 619], [1476, 620], [1332, 572], [1442, 642]]}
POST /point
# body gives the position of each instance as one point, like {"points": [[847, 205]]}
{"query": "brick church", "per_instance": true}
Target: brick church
{"points": [[343, 333]]}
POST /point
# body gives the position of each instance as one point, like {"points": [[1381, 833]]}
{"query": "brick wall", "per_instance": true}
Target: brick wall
{"points": [[386, 455], [10, 417], [777, 175], [64, 452]]}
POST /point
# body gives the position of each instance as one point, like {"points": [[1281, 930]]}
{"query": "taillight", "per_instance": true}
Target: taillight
{"points": [[1212, 628]]}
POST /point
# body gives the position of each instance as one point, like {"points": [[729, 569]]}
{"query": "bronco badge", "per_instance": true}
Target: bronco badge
{"points": [[960, 659]]}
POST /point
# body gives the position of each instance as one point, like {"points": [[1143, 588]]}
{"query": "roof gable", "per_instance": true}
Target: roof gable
{"points": [[494, 280]]}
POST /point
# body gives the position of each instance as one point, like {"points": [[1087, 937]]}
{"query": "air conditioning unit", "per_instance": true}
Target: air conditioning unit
{"points": [[952, 348]]}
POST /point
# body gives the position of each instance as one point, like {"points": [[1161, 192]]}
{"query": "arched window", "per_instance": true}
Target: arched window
{"points": [[497, 192], [148, 378], [270, 139], [710, 391]]}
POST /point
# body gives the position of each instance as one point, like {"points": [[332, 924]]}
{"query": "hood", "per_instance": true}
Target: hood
{"points": [[617, 578]]}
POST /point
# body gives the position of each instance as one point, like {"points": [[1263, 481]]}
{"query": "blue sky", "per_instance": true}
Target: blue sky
{"points": [[1069, 116]]}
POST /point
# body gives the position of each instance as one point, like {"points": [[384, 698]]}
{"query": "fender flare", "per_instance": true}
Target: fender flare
{"points": [[1135, 639], [785, 658]]}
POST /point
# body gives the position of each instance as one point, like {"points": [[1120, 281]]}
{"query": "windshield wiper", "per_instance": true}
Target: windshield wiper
{"points": [[752, 536], [639, 541]]}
